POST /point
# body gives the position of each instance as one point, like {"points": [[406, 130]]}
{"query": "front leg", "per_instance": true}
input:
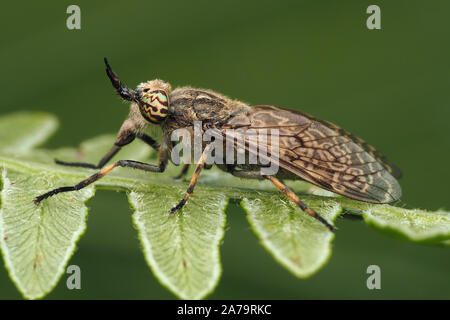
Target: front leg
{"points": [[97, 176], [114, 150], [163, 159]]}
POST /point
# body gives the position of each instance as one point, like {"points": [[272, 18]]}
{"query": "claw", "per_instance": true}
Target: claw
{"points": [[178, 206]]}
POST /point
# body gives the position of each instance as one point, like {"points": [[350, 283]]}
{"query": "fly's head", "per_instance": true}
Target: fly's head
{"points": [[152, 97], [153, 100]]}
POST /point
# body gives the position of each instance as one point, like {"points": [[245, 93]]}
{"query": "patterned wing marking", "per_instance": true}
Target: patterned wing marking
{"points": [[323, 154]]}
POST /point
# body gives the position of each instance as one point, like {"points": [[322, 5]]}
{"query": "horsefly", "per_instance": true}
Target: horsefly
{"points": [[261, 142]]}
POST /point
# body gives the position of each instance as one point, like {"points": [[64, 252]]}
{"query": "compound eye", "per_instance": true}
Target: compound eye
{"points": [[154, 105]]}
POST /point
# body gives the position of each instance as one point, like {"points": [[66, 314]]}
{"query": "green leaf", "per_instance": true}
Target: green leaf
{"points": [[415, 225], [20, 132], [296, 240], [421, 226], [183, 249], [37, 241]]}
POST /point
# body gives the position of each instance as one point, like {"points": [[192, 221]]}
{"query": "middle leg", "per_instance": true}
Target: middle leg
{"points": [[194, 179]]}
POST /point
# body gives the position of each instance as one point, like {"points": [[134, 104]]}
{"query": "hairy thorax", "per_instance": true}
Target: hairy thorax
{"points": [[188, 105]]}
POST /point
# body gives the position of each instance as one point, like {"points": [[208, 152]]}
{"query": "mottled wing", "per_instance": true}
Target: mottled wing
{"points": [[324, 154]]}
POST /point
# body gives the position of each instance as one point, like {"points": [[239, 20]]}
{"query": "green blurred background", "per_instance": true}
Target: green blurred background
{"points": [[389, 86]]}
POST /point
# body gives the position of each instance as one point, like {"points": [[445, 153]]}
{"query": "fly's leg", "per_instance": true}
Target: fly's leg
{"points": [[148, 140], [245, 174], [283, 188], [101, 174], [111, 153], [291, 195], [183, 172], [121, 163], [190, 189]]}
